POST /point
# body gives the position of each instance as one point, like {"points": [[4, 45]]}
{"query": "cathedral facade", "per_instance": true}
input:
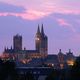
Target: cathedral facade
{"points": [[17, 52]]}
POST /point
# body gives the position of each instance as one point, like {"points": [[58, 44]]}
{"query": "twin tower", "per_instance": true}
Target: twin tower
{"points": [[41, 41]]}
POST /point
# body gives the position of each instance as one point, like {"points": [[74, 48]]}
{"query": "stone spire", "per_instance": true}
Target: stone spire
{"points": [[42, 30], [69, 50], [5, 48], [60, 51], [38, 30]]}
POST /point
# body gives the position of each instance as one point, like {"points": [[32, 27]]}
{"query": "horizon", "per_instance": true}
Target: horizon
{"points": [[61, 21], [64, 52]]}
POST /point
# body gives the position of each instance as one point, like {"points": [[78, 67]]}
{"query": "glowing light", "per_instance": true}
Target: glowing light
{"points": [[62, 66], [70, 62], [24, 61], [50, 65], [37, 39]]}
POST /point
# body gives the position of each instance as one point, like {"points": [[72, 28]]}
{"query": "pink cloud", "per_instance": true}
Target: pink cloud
{"points": [[64, 23], [48, 6], [68, 11], [29, 14]]}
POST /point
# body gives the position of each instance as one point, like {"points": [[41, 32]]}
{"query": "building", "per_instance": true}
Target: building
{"points": [[41, 41], [39, 56], [17, 42], [41, 47], [60, 60]]}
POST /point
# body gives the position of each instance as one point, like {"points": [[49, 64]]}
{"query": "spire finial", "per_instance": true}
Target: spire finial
{"points": [[5, 48], [11, 47], [24, 48], [38, 30], [42, 30], [69, 50], [60, 50]]}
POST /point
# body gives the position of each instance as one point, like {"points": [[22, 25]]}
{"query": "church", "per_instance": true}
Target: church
{"points": [[38, 56], [18, 53]]}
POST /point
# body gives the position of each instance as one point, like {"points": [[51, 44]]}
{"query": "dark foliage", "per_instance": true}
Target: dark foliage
{"points": [[7, 70], [26, 76], [71, 73]]}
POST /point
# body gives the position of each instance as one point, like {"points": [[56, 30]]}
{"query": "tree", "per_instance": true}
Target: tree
{"points": [[53, 76], [7, 70], [75, 70]]}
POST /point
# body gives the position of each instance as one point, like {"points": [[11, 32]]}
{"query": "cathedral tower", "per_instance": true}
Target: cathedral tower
{"points": [[17, 42], [38, 39], [41, 41], [44, 42]]}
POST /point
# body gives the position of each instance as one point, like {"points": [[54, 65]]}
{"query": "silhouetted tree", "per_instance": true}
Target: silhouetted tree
{"points": [[29, 76], [7, 70], [26, 76], [2, 77], [53, 76]]}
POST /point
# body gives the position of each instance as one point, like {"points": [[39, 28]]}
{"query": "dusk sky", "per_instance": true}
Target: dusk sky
{"points": [[61, 19]]}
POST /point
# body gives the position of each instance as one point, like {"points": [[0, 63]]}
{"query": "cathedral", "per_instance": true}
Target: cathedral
{"points": [[38, 56], [17, 52]]}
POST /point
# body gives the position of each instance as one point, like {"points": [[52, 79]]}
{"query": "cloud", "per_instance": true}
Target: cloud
{"points": [[8, 8], [29, 14], [51, 6], [39, 8], [67, 11], [64, 23]]}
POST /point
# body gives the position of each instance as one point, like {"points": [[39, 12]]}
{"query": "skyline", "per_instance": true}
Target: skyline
{"points": [[61, 19]]}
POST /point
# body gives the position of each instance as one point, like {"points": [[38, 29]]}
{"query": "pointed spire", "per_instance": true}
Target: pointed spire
{"points": [[5, 49], [11, 47], [42, 30], [24, 48], [59, 50], [70, 51], [38, 30]]}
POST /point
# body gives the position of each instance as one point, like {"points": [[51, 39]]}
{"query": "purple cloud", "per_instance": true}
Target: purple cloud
{"points": [[65, 23], [40, 8], [8, 8]]}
